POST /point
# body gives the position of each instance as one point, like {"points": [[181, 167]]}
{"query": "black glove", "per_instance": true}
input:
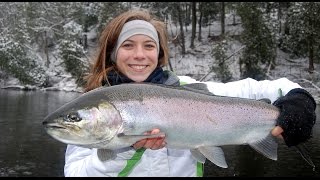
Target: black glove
{"points": [[297, 116]]}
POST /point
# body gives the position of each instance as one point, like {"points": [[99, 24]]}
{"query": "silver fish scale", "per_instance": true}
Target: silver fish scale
{"points": [[190, 118]]}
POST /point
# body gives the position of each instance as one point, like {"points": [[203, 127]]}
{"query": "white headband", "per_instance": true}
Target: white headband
{"points": [[132, 28]]}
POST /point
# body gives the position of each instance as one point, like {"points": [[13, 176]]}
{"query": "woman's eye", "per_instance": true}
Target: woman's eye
{"points": [[150, 46], [127, 45]]}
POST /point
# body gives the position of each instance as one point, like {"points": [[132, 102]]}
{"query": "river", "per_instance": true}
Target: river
{"points": [[27, 151]]}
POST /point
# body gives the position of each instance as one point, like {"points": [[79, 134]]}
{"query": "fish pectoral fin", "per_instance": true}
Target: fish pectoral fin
{"points": [[134, 138], [215, 155], [267, 146], [198, 155], [106, 154]]}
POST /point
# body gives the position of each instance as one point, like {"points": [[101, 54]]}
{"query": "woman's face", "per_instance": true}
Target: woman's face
{"points": [[137, 57]]}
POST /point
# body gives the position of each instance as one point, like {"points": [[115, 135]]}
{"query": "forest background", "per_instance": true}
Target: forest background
{"points": [[50, 45]]}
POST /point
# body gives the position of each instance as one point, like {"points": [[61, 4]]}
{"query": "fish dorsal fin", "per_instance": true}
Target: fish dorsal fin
{"points": [[267, 146], [198, 87], [215, 155], [266, 100], [198, 156]]}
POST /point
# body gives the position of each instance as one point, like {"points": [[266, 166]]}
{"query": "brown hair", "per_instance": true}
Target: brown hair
{"points": [[108, 39]]}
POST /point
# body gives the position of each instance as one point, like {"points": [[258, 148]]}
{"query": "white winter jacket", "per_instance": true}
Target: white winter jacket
{"points": [[167, 162]]}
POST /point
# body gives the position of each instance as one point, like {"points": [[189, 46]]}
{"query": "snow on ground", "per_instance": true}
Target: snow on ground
{"points": [[196, 63]]}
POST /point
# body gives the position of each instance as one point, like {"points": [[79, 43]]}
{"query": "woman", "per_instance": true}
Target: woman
{"points": [[133, 48]]}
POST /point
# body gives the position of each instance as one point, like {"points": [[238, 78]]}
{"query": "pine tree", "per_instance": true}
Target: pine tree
{"points": [[220, 66], [303, 38], [258, 39]]}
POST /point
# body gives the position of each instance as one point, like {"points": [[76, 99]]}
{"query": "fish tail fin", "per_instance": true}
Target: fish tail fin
{"points": [[267, 146], [304, 152]]}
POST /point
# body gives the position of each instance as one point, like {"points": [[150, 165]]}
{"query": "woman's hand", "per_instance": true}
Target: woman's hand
{"points": [[297, 116], [276, 131], [151, 143]]}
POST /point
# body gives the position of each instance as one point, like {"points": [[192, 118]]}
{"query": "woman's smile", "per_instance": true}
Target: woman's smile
{"points": [[138, 67], [137, 57]]}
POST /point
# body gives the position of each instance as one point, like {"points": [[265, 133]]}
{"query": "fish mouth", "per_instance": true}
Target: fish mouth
{"points": [[53, 125], [67, 133], [60, 127], [62, 132]]}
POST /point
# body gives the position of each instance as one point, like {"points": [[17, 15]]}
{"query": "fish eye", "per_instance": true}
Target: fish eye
{"points": [[72, 117]]}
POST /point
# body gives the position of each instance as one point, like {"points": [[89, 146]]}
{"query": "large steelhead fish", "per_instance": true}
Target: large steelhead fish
{"points": [[191, 117]]}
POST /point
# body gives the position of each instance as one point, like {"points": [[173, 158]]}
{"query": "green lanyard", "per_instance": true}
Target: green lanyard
{"points": [[200, 169], [137, 156], [132, 162]]}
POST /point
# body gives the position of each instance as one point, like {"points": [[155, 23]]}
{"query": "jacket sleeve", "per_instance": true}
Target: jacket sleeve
{"points": [[249, 88], [84, 162], [76, 160]]}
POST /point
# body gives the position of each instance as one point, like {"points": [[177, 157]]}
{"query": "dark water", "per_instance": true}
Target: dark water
{"points": [[26, 150]]}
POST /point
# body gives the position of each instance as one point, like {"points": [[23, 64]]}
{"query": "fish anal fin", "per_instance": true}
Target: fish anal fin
{"points": [[198, 155], [215, 155], [267, 146]]}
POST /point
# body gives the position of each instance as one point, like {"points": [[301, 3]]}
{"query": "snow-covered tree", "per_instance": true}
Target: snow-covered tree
{"points": [[15, 39], [220, 65], [303, 38], [72, 53], [105, 11], [258, 39], [15, 61]]}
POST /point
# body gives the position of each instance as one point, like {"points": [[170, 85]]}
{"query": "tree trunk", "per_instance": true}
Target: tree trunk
{"points": [[194, 24], [200, 21], [222, 19], [189, 12], [311, 57], [286, 26], [85, 41], [186, 22], [183, 49], [45, 47], [46, 51], [312, 42], [279, 17]]}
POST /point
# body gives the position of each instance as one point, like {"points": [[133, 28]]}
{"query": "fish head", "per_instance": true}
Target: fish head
{"points": [[84, 125]]}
